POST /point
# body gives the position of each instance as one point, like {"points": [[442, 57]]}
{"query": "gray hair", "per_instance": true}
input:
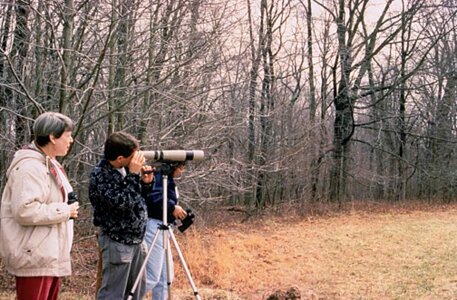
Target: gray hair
{"points": [[50, 123]]}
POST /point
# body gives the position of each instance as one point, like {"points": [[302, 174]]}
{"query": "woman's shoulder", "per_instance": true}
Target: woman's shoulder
{"points": [[28, 161]]}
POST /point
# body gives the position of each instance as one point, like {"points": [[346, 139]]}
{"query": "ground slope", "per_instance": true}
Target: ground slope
{"points": [[389, 253]]}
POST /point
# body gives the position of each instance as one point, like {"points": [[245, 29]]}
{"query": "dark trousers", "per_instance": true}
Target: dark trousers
{"points": [[121, 266]]}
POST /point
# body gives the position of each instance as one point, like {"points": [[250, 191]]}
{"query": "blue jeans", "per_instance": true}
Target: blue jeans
{"points": [[121, 266], [156, 268]]}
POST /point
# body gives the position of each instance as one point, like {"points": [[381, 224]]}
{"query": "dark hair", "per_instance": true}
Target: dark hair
{"points": [[177, 164], [120, 144], [50, 123]]}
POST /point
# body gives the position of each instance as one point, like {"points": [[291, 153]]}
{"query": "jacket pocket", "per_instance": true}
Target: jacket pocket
{"points": [[43, 247], [120, 253], [37, 250]]}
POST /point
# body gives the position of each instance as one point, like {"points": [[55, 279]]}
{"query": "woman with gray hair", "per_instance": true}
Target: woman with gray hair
{"points": [[36, 227]]}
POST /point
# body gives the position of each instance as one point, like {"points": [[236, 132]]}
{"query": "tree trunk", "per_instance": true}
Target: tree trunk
{"points": [[18, 54], [343, 126], [67, 38]]}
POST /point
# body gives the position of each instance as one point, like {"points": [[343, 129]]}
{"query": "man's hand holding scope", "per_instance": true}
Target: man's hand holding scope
{"points": [[137, 166], [147, 174]]}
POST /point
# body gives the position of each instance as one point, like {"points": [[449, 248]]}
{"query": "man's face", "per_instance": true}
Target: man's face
{"points": [[125, 161]]}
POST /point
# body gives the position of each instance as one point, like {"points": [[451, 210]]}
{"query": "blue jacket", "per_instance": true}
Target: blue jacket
{"points": [[119, 203], [155, 202]]}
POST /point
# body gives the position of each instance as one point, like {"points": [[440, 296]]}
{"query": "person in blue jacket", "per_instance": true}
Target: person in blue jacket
{"points": [[156, 268]]}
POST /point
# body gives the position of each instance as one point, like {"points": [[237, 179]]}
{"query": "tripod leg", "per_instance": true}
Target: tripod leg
{"points": [[143, 267], [169, 264], [183, 262]]}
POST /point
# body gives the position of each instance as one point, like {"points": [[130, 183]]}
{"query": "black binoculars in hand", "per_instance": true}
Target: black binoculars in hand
{"points": [[187, 221], [72, 198]]}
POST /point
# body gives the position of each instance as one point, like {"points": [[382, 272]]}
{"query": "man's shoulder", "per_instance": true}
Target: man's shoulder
{"points": [[100, 167], [99, 173]]}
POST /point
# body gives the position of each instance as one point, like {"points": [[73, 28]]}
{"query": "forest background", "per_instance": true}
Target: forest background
{"points": [[292, 101], [295, 102]]}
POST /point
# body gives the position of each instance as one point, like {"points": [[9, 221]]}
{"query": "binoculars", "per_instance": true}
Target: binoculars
{"points": [[187, 221]]}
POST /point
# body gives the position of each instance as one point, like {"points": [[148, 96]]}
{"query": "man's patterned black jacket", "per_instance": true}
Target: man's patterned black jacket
{"points": [[119, 203]]}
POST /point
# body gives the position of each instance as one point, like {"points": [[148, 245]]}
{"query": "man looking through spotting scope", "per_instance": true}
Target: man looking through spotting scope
{"points": [[156, 268], [118, 187]]}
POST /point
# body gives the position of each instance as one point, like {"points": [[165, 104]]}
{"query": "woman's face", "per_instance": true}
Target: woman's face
{"points": [[177, 173], [62, 144]]}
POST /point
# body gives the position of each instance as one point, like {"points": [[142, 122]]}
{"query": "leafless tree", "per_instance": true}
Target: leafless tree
{"points": [[293, 101]]}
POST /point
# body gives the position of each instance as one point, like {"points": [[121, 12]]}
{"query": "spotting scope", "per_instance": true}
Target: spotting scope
{"points": [[174, 155]]}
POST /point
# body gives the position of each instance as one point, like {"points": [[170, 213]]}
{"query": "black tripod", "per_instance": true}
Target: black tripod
{"points": [[165, 229]]}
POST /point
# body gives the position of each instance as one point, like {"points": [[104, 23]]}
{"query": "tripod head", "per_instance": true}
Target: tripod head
{"points": [[168, 167]]}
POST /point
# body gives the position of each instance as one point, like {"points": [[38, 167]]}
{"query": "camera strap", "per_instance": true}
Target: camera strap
{"points": [[61, 178]]}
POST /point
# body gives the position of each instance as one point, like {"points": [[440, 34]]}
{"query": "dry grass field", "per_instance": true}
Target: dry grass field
{"points": [[377, 253]]}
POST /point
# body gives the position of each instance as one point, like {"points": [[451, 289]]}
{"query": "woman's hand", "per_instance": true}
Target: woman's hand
{"points": [[179, 212], [74, 210]]}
